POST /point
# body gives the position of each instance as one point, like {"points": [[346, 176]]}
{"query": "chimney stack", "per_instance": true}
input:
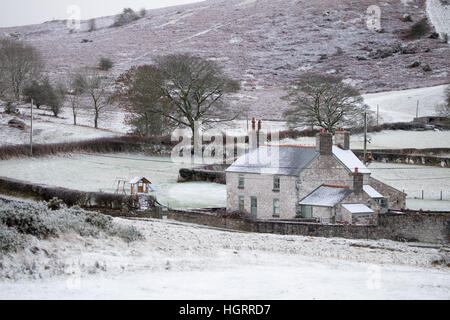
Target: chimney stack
{"points": [[342, 139], [358, 181], [324, 142]]}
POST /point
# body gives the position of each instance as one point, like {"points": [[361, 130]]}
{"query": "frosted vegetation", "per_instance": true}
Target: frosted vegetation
{"points": [[21, 222]]}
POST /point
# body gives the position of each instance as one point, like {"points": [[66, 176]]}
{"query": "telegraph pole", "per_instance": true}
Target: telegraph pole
{"points": [[365, 138], [378, 112], [31, 129], [417, 109]]}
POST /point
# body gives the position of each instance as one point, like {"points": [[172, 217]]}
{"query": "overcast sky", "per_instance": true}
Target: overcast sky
{"points": [[23, 12]]}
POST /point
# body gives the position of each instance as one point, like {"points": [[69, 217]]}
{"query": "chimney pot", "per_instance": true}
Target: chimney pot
{"points": [[324, 143], [342, 139]]}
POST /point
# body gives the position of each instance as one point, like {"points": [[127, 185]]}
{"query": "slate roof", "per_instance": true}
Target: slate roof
{"points": [[349, 160], [357, 208], [288, 161], [326, 196], [371, 192]]}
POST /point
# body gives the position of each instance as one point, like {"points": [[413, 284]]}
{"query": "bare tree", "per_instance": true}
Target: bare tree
{"points": [[182, 89], [97, 88], [323, 101], [76, 88], [19, 63]]}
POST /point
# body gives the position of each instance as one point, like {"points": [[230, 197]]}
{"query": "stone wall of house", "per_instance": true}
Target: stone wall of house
{"points": [[396, 198], [261, 186], [324, 214], [323, 169]]}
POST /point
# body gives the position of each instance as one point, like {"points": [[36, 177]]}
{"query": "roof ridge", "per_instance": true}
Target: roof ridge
{"points": [[335, 186]]}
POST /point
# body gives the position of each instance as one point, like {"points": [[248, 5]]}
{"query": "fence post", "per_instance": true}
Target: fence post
{"points": [[441, 194], [422, 194]]}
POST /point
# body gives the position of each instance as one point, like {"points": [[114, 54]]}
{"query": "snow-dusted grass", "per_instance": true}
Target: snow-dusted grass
{"points": [[98, 172], [413, 179], [49, 129], [439, 16], [397, 106], [179, 261], [390, 139]]}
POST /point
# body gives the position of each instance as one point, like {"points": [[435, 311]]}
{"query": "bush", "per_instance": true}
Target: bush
{"points": [[36, 219], [105, 64], [419, 29], [10, 239], [26, 222], [127, 16], [10, 107]]}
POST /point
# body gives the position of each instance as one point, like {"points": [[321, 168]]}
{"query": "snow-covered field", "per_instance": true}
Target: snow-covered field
{"points": [[397, 106], [413, 180], [389, 139], [98, 172], [439, 16], [182, 261]]}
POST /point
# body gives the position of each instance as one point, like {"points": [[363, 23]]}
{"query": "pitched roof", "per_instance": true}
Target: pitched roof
{"points": [[357, 208], [139, 179], [285, 160], [349, 160], [326, 196], [371, 192]]}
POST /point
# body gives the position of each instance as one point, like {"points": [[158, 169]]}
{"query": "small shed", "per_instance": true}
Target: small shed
{"points": [[139, 185]]}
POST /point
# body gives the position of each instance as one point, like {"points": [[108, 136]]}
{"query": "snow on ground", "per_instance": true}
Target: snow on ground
{"points": [[389, 139], [98, 172], [397, 106], [50, 129], [439, 16], [413, 179], [180, 261]]}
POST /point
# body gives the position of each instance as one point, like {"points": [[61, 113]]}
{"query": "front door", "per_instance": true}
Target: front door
{"points": [[254, 206]]}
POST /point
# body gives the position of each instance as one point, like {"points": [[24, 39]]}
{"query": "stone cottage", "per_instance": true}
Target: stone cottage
{"points": [[325, 183]]}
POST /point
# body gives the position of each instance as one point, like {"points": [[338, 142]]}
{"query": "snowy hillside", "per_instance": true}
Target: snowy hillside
{"points": [[263, 43]]}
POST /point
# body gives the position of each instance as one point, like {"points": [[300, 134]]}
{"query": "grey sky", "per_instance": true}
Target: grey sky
{"points": [[23, 12]]}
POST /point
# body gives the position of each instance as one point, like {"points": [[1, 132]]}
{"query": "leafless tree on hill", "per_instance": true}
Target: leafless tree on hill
{"points": [[76, 88], [19, 63], [97, 89], [182, 89], [323, 101]]}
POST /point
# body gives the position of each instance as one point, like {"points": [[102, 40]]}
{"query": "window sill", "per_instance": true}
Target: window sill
{"points": [[241, 188], [276, 190]]}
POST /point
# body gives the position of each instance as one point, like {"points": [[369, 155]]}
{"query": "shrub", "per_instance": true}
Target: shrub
{"points": [[10, 239], [99, 221], [26, 222], [419, 29], [127, 16], [36, 219], [105, 64], [10, 107]]}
